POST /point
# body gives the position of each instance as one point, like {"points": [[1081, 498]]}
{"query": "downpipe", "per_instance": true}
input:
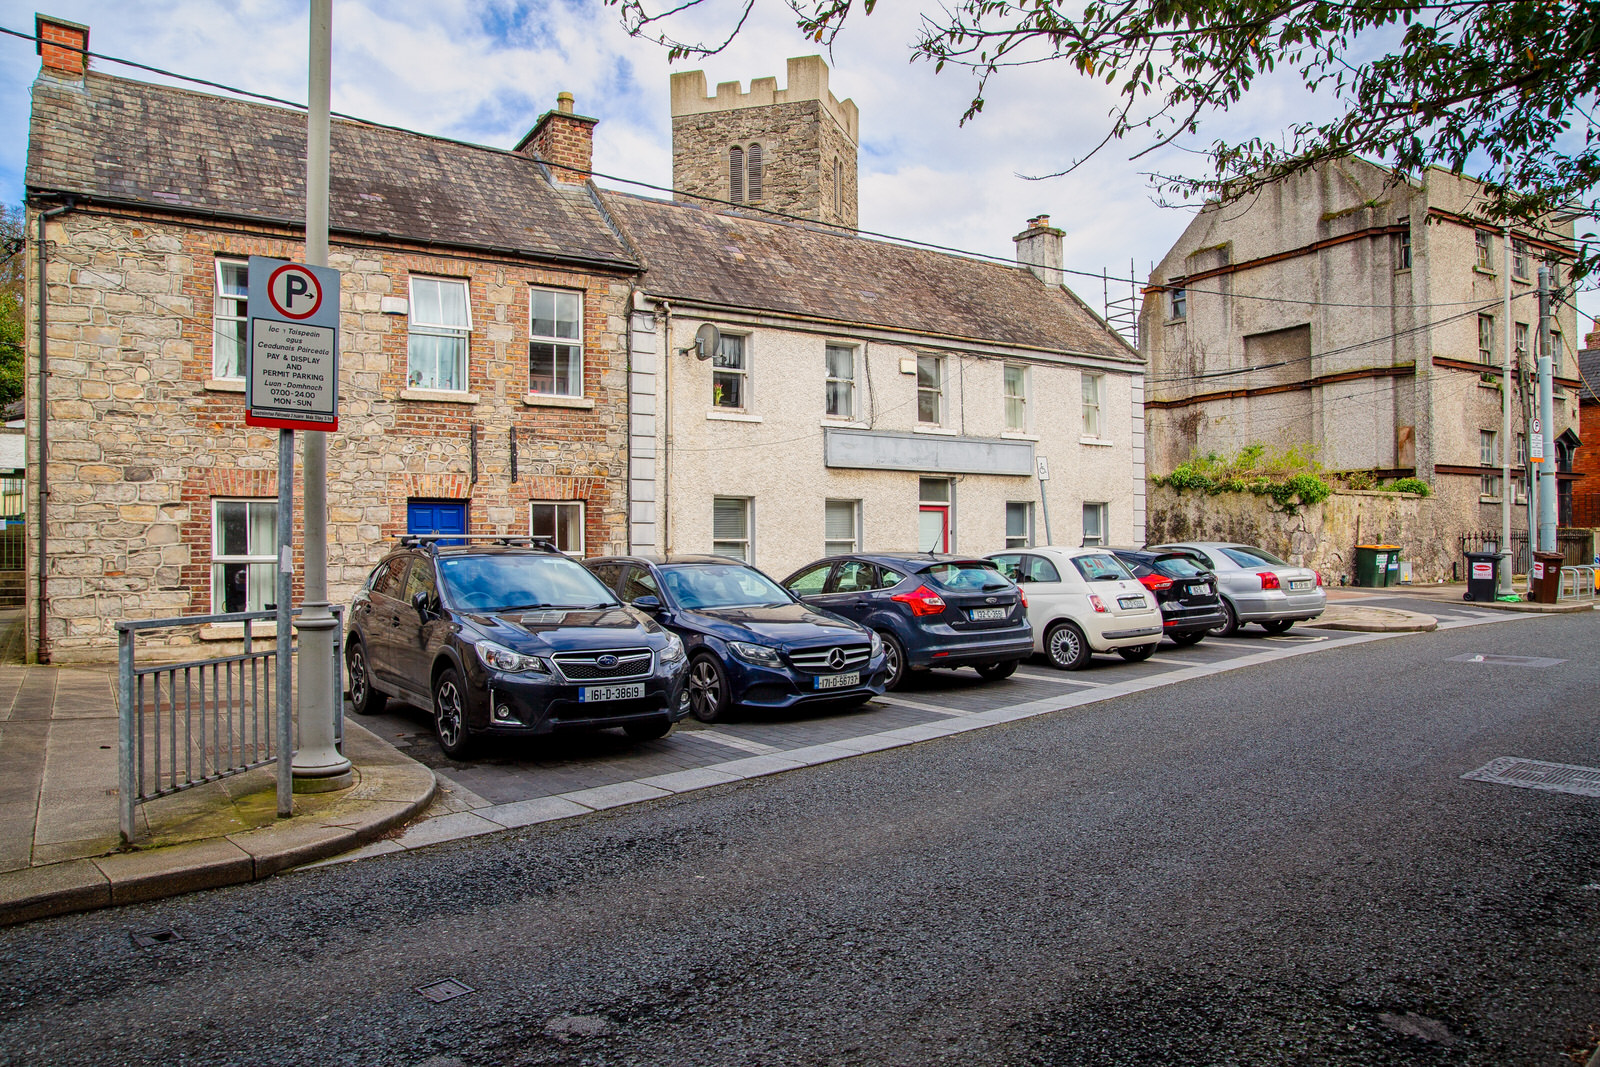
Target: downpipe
{"points": [[43, 489]]}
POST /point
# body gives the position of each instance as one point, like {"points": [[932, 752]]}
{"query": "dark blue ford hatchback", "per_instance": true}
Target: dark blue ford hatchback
{"points": [[749, 641]]}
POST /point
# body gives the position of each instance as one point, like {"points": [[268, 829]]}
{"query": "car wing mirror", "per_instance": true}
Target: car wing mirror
{"points": [[651, 604], [420, 601]]}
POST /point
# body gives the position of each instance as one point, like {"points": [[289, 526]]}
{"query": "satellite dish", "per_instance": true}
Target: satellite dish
{"points": [[707, 341]]}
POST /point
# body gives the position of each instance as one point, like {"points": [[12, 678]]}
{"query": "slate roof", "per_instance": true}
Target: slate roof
{"points": [[1589, 368], [137, 143], [696, 254]]}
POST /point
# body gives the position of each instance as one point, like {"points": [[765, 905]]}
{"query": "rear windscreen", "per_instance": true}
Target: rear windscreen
{"points": [[1178, 567], [967, 575], [1253, 557], [1105, 568]]}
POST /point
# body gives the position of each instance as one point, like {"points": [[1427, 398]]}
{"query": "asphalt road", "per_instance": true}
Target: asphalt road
{"points": [[1277, 865]]}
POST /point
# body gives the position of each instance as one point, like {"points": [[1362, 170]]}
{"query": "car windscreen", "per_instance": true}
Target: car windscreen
{"points": [[1101, 568], [967, 576], [720, 585], [1178, 567], [514, 582], [1253, 557]]}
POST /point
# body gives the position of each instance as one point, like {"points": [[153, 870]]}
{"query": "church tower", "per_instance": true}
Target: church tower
{"points": [[791, 150]]}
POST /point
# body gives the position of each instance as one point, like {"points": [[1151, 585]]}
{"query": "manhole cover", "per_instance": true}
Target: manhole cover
{"points": [[445, 989], [1505, 661], [156, 937], [1537, 774]]}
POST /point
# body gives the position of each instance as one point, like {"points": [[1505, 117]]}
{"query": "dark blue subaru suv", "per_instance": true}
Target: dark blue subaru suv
{"points": [[510, 639], [749, 642]]}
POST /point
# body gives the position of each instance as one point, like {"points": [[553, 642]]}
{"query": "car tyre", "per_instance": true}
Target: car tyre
{"points": [[708, 690], [1138, 653], [1229, 624], [1190, 637], [1066, 646], [647, 731], [1277, 626], [894, 660], [993, 672], [450, 715], [364, 698]]}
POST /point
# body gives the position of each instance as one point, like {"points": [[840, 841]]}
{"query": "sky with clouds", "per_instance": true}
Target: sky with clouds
{"points": [[484, 72]]}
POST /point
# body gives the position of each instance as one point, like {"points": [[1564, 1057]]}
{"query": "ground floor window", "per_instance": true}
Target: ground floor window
{"points": [[559, 522], [1094, 524], [933, 515], [244, 538], [841, 527], [730, 527], [1019, 524]]}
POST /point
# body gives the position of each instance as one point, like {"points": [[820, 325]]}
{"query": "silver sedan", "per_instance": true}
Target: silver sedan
{"points": [[1256, 586]]}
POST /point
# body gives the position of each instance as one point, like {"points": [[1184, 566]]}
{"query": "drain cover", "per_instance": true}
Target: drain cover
{"points": [[1537, 774], [155, 937], [1505, 661], [445, 989]]}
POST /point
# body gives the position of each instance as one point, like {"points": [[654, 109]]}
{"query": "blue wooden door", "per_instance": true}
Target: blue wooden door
{"points": [[437, 517]]}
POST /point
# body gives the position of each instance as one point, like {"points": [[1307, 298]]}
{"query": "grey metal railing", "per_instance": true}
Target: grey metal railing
{"points": [[185, 724]]}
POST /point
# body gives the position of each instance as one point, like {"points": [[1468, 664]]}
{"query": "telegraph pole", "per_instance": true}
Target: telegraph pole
{"points": [[1547, 471], [1504, 585], [318, 765]]}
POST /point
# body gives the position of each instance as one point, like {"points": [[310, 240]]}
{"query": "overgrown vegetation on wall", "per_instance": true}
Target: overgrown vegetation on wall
{"points": [[1290, 478]]}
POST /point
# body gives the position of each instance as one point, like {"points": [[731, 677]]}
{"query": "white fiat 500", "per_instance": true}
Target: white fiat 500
{"points": [[1082, 601]]}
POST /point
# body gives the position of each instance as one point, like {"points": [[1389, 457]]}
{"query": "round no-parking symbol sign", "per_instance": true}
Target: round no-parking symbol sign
{"points": [[294, 292]]}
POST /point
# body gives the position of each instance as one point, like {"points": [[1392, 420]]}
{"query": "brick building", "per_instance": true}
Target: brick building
{"points": [[483, 351], [1586, 486]]}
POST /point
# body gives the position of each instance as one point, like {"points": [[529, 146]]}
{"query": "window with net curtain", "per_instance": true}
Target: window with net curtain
{"points": [[841, 382], [1016, 397], [230, 326], [730, 527], [555, 342], [840, 527], [243, 554], [441, 322]]}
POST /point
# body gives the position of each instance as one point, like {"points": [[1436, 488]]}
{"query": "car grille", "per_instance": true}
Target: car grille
{"points": [[823, 660], [585, 666]]}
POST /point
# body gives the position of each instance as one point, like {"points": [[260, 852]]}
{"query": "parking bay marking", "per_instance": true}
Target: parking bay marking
{"points": [[1058, 679], [937, 709], [743, 744]]}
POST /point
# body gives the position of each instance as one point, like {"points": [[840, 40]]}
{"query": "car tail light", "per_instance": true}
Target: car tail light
{"points": [[1319, 578], [922, 600], [1024, 598], [1099, 605], [1268, 580], [1155, 582]]}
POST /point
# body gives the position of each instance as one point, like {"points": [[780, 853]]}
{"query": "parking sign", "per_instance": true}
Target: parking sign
{"points": [[292, 360]]}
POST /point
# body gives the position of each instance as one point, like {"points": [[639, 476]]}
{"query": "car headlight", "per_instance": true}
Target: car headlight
{"points": [[674, 650], [877, 645], [501, 658], [765, 656]]}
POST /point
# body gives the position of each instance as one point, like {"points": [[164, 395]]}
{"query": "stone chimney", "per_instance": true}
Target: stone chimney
{"points": [[1039, 249], [563, 140], [1592, 339], [62, 46]]}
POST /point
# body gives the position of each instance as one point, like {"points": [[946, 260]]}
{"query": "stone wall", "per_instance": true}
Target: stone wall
{"points": [[143, 438], [1428, 530]]}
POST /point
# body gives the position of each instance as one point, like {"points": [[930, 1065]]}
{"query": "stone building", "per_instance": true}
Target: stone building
{"points": [[865, 394], [789, 150], [483, 366], [1361, 318]]}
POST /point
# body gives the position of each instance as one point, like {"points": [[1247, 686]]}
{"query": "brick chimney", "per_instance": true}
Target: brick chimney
{"points": [[1039, 249], [563, 139], [62, 45], [1592, 339]]}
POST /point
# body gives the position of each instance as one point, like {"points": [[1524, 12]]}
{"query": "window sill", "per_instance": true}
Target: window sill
{"points": [[1018, 435], [1488, 499], [1177, 322], [439, 396], [1486, 272], [225, 385], [846, 424], [1493, 383], [732, 416], [940, 431], [555, 400], [234, 631], [1098, 442]]}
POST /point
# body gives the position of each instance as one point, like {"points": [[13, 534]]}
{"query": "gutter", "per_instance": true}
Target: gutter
{"points": [[44, 432]]}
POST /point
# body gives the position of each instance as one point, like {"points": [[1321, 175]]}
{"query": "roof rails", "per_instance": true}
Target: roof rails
{"points": [[432, 541]]}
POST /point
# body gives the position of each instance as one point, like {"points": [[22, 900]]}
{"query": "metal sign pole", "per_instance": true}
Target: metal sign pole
{"points": [[284, 588], [1044, 503]]}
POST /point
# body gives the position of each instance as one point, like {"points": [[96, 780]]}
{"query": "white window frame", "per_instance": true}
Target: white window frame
{"points": [[937, 390], [240, 315], [1102, 510], [1488, 448], [558, 508], [555, 341], [1486, 337], [1017, 401], [418, 328], [741, 371], [264, 556], [1093, 398], [1483, 242], [1555, 353], [834, 546], [1519, 258], [1489, 487], [1025, 539], [830, 379], [745, 546], [1519, 334]]}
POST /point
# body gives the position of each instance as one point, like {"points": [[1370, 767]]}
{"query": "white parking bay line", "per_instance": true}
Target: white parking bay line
{"points": [[937, 709], [743, 744], [1058, 679]]}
